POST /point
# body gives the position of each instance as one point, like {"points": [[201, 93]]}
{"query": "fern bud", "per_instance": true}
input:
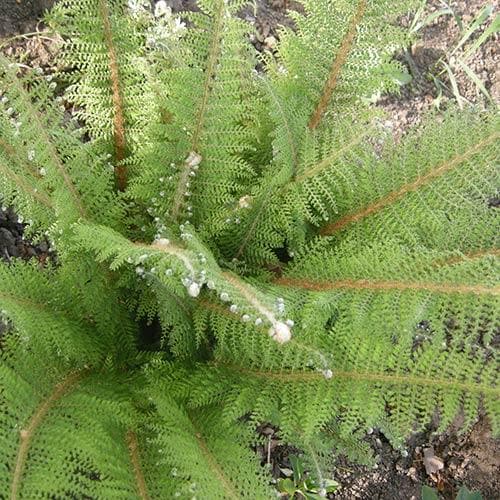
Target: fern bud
{"points": [[193, 160], [244, 201], [194, 289], [162, 241], [161, 9], [280, 332]]}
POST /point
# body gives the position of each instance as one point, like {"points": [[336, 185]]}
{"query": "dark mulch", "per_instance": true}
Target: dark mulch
{"points": [[21, 16]]}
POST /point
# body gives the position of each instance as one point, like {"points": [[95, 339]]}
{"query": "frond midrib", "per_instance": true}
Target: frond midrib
{"points": [[394, 196], [213, 55], [386, 285], [213, 463], [118, 118], [287, 376], [27, 434]]}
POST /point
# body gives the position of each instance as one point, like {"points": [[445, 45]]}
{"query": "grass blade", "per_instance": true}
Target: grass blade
{"points": [[492, 29], [478, 21], [474, 78]]}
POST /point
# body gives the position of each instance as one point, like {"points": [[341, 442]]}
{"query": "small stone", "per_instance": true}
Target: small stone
{"points": [[8, 241], [224, 297], [161, 9], [432, 463], [270, 42]]}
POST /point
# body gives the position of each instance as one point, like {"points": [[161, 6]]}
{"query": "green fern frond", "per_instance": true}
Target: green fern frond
{"points": [[41, 159], [183, 269], [454, 157], [305, 271], [202, 455], [103, 49], [209, 123], [348, 48]]}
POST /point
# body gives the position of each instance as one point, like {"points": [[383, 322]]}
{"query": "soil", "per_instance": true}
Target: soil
{"points": [[21, 16], [435, 42], [471, 459]]}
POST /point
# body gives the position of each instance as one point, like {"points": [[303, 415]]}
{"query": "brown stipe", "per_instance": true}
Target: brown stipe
{"points": [[350, 284], [478, 254], [394, 196], [213, 56], [26, 434], [373, 377], [229, 489], [118, 119], [133, 448], [339, 61]]}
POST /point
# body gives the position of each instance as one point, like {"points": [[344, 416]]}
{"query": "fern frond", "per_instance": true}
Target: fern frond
{"points": [[340, 53], [103, 49], [368, 387], [184, 269], [209, 109], [225, 466], [54, 413], [258, 203], [452, 158], [43, 158], [29, 298], [301, 188]]}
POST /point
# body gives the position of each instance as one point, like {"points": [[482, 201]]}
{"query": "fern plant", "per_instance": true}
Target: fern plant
{"points": [[305, 271]]}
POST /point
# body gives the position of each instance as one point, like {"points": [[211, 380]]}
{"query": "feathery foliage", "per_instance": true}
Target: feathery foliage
{"points": [[305, 271]]}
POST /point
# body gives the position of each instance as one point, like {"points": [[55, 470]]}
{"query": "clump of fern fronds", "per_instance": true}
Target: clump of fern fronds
{"points": [[304, 270]]}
